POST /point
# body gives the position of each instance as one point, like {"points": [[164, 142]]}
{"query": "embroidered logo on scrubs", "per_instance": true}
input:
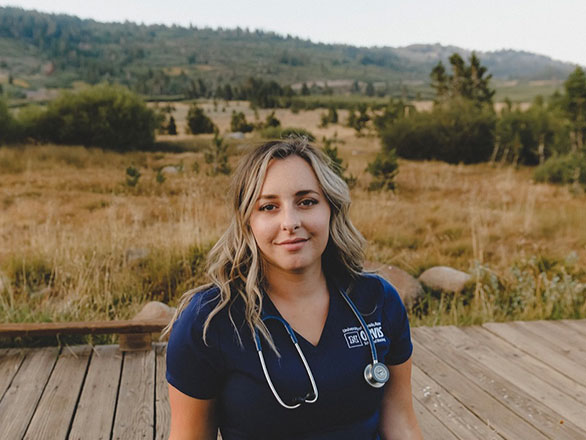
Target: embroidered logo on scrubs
{"points": [[356, 337]]}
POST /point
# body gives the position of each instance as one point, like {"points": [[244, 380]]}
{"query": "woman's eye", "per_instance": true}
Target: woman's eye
{"points": [[267, 207], [308, 202]]}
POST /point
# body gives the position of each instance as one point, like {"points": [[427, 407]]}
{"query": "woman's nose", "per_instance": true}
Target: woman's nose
{"points": [[290, 220]]}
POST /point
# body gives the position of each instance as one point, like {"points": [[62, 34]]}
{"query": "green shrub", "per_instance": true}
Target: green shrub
{"points": [[217, 156], [272, 121], [198, 122], [458, 132], [570, 168], [384, 169], [529, 137], [132, 176], [104, 116], [8, 125], [239, 123], [29, 274]]}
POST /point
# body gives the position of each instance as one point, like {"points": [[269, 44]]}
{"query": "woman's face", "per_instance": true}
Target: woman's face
{"points": [[291, 218]]}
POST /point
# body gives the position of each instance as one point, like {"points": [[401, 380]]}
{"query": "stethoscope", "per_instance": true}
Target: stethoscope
{"points": [[376, 374]]}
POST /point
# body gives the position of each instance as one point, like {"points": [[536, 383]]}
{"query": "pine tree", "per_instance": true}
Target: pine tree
{"points": [[172, 127], [574, 105], [468, 82], [369, 89]]}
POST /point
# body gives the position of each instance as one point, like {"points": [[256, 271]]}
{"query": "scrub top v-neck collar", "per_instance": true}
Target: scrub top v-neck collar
{"points": [[269, 308]]}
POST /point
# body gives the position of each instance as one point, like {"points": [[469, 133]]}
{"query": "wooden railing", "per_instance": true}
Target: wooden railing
{"points": [[133, 335]]}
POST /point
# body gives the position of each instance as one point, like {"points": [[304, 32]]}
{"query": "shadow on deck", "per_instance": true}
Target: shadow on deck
{"points": [[519, 380]]}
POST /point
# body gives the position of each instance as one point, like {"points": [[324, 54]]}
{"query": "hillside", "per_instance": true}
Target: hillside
{"points": [[39, 50]]}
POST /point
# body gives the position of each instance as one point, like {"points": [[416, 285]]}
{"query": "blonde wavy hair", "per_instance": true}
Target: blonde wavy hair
{"points": [[235, 263]]}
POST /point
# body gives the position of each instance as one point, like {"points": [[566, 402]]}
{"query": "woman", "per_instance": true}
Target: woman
{"points": [[285, 341]]}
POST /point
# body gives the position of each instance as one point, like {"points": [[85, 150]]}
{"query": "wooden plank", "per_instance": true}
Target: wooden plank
{"points": [[431, 427], [569, 334], [162, 409], [55, 410], [95, 411], [438, 401], [532, 382], [567, 343], [522, 364], [136, 397], [577, 325], [21, 399], [452, 344], [486, 407], [536, 347], [10, 361], [93, 327]]}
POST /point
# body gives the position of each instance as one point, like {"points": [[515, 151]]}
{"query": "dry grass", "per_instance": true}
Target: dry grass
{"points": [[69, 226]]}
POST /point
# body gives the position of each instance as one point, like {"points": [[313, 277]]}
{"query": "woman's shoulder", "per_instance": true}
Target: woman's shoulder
{"points": [[375, 284], [199, 306], [370, 290]]}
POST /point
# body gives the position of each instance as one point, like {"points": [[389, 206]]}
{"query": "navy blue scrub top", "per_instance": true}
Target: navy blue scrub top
{"points": [[347, 407]]}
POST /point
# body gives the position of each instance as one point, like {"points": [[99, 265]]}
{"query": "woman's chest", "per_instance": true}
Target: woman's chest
{"points": [[251, 393]]}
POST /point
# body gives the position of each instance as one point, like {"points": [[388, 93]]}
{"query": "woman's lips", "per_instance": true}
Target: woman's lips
{"points": [[293, 245]]}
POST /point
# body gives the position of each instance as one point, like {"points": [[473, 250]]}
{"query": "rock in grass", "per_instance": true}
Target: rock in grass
{"points": [[155, 310], [445, 279], [169, 170], [236, 135], [410, 290]]}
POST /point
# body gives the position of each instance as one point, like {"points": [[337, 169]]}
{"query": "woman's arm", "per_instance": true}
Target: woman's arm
{"points": [[191, 419], [398, 421]]}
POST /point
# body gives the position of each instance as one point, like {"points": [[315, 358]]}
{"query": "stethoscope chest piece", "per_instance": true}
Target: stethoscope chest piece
{"points": [[376, 375]]}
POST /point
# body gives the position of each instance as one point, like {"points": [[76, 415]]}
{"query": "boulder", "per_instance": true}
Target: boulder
{"points": [[445, 279], [236, 135], [169, 170], [155, 310], [410, 290]]}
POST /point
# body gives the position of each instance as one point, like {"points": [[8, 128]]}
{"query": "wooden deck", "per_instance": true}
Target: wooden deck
{"points": [[521, 380]]}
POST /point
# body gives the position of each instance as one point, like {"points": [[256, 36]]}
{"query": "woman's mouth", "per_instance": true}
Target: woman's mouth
{"points": [[292, 244]]}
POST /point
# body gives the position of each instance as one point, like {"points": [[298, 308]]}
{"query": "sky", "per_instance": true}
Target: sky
{"points": [[556, 29]]}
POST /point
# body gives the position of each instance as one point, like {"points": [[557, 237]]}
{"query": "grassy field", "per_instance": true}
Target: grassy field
{"points": [[78, 243]]}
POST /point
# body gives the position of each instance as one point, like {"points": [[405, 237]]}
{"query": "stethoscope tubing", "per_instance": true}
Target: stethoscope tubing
{"points": [[368, 370], [301, 355]]}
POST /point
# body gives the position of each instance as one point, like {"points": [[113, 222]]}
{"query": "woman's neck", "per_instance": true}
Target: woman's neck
{"points": [[293, 287]]}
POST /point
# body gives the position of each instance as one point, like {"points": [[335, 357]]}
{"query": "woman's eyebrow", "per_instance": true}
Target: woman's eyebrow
{"points": [[300, 193]]}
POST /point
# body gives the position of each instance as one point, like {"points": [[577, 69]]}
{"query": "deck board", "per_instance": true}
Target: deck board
{"points": [[431, 427], [136, 397], [508, 391], [534, 384], [162, 411], [10, 362], [62, 391], [519, 366], [490, 410], [20, 400], [504, 381], [95, 410], [565, 343], [461, 421], [526, 341]]}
